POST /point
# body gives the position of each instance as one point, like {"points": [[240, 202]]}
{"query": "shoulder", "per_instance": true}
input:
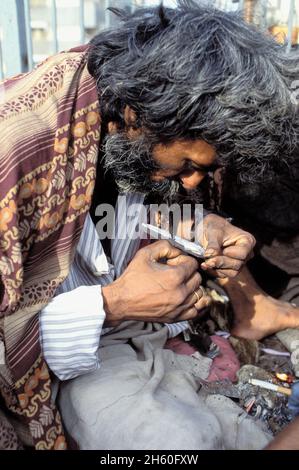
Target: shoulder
{"points": [[26, 92]]}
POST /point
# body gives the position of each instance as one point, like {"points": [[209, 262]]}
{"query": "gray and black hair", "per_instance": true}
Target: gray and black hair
{"points": [[200, 73]]}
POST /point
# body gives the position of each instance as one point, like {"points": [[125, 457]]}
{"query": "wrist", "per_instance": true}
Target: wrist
{"points": [[112, 304]]}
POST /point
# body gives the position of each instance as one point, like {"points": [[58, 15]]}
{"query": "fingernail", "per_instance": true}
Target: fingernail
{"points": [[209, 253], [204, 266]]}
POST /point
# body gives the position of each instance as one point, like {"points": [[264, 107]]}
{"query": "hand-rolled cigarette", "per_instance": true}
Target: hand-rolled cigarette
{"points": [[269, 386]]}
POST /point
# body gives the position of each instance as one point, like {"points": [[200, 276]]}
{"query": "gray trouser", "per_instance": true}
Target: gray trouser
{"points": [[146, 397]]}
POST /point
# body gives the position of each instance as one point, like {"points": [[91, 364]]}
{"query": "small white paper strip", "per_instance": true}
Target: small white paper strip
{"points": [[275, 353], [223, 334]]}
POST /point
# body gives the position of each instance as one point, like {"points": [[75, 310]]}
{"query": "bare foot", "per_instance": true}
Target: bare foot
{"points": [[256, 314]]}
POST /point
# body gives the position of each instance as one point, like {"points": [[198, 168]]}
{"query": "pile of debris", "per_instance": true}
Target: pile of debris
{"points": [[262, 383]]}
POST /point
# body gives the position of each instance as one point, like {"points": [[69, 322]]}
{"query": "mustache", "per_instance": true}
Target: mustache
{"points": [[131, 165]]}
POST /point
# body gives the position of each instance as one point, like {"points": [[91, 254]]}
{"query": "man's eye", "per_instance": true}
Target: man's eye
{"points": [[190, 170], [214, 167]]}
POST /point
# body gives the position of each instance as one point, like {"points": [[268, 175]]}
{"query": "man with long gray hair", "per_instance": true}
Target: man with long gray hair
{"points": [[165, 76], [148, 110]]}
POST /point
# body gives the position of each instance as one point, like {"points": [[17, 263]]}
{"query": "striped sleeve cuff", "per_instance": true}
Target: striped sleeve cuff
{"points": [[174, 329], [70, 329]]}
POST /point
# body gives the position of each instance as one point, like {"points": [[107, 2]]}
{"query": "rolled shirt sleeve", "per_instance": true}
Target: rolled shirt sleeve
{"points": [[70, 330]]}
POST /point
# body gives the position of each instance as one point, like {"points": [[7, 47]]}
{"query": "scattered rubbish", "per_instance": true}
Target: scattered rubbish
{"points": [[247, 350], [270, 386], [226, 364], [221, 387], [223, 299], [290, 339], [278, 362], [198, 338], [285, 377], [214, 351], [249, 404], [275, 353], [257, 375], [223, 334], [250, 371], [267, 405]]}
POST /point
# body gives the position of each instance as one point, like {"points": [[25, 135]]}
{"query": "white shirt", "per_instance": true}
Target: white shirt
{"points": [[72, 323]]}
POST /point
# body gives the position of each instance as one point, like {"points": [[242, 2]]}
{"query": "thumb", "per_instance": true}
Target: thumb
{"points": [[162, 250]]}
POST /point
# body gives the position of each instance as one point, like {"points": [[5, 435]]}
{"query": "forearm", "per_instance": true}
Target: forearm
{"points": [[288, 439]]}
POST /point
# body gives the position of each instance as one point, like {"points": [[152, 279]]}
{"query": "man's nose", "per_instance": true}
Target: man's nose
{"points": [[192, 180]]}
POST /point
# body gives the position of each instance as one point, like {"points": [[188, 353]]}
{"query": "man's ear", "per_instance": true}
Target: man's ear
{"points": [[130, 117], [112, 127]]}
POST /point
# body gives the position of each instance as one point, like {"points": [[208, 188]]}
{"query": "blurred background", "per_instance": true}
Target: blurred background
{"points": [[31, 30]]}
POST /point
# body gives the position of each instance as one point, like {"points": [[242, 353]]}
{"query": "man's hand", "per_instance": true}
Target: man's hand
{"points": [[227, 248], [157, 286]]}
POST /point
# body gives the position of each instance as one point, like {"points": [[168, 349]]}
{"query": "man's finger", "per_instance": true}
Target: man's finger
{"points": [[223, 273], [214, 242], [191, 286], [202, 303], [244, 240], [237, 252], [188, 314], [222, 262], [199, 299], [188, 296]]}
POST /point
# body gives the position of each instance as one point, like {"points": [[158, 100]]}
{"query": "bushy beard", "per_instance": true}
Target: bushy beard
{"points": [[131, 164]]}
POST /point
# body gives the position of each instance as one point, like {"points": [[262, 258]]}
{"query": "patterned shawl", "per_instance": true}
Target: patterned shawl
{"points": [[50, 132]]}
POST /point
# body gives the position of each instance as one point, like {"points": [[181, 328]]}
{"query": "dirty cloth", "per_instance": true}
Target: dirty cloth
{"points": [[224, 366], [148, 397]]}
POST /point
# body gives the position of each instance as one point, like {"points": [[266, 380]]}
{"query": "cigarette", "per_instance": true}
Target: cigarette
{"points": [[269, 386]]}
